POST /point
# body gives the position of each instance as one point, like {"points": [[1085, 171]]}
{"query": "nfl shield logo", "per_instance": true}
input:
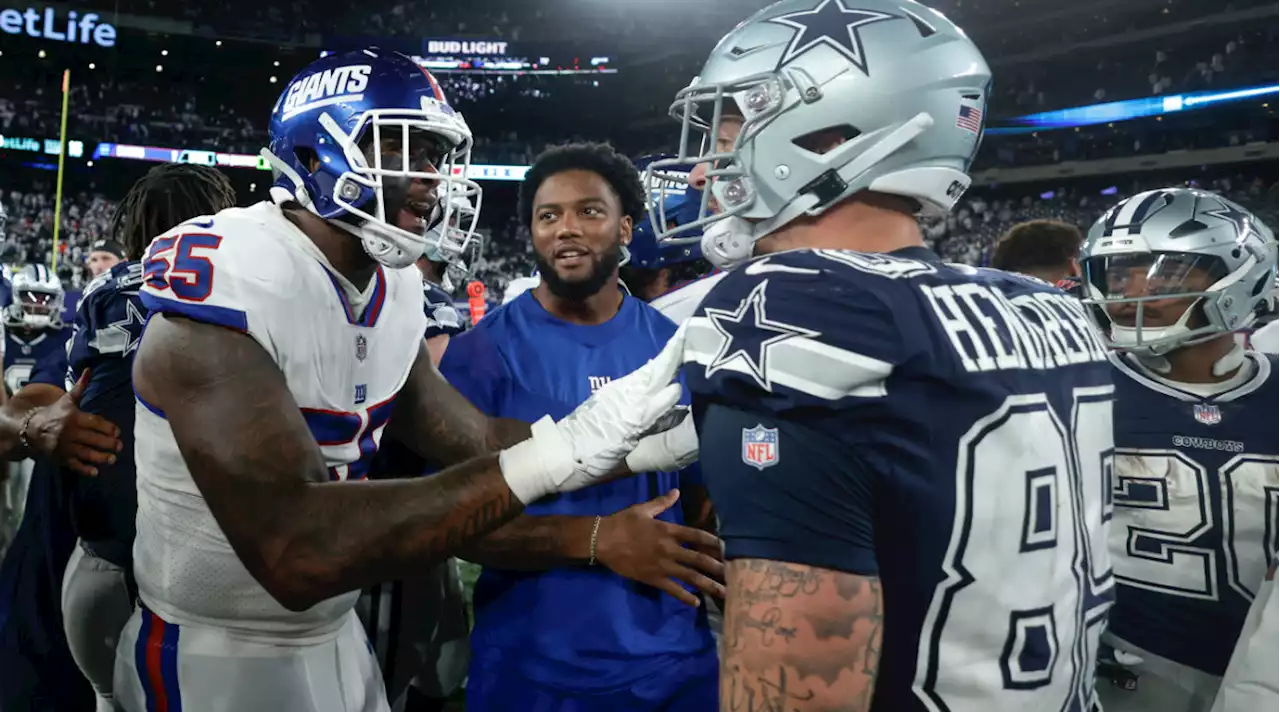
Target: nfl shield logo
{"points": [[760, 446], [362, 347], [1208, 414]]}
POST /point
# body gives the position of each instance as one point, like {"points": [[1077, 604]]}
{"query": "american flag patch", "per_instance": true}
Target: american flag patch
{"points": [[970, 118]]}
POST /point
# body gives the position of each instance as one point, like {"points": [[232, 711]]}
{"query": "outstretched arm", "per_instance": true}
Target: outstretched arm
{"points": [[799, 638], [304, 538], [436, 421]]}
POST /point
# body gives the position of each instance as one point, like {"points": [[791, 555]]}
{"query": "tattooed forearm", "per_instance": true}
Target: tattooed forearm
{"points": [[302, 537], [346, 536], [533, 544], [440, 424], [799, 639]]}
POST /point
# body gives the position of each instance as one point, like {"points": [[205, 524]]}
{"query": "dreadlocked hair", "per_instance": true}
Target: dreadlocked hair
{"points": [[168, 195]]}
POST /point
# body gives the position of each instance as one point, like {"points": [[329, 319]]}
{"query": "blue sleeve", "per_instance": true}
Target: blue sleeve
{"points": [[473, 365], [52, 369], [787, 491], [107, 332]]}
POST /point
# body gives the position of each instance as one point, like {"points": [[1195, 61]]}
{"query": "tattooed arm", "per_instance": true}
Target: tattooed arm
{"points": [[436, 421], [264, 479], [799, 638]]}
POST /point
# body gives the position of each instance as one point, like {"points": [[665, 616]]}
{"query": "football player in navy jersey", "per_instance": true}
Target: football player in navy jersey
{"points": [[35, 336], [450, 255], [97, 589], [35, 350], [1169, 275], [907, 456]]}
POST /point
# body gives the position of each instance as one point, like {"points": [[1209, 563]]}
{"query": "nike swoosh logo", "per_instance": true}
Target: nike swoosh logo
{"points": [[765, 267]]}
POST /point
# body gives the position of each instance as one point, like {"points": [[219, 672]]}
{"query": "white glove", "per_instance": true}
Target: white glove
{"points": [[670, 450], [591, 442]]}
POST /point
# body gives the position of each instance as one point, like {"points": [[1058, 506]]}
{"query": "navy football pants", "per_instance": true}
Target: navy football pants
{"points": [[37, 672]]}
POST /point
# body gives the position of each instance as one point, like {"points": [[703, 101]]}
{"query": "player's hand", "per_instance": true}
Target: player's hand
{"points": [[589, 445], [635, 544], [669, 450], [71, 437]]}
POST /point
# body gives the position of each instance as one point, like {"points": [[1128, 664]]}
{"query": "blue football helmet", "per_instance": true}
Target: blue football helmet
{"points": [[673, 202], [353, 133]]}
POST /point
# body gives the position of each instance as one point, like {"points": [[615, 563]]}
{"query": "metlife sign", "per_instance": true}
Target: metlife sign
{"points": [[74, 28]]}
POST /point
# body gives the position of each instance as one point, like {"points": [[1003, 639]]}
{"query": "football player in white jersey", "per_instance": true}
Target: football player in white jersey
{"points": [[285, 340], [1169, 275]]}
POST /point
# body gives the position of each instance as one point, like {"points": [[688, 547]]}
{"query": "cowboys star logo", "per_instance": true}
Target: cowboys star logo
{"points": [[1239, 220], [833, 24]]}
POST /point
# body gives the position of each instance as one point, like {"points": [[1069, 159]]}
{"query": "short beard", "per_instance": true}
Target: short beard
{"points": [[579, 290]]}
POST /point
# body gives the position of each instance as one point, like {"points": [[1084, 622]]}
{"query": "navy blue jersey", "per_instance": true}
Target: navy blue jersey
{"points": [[1196, 491], [578, 629], [37, 671], [107, 330], [442, 316], [35, 356], [942, 427]]}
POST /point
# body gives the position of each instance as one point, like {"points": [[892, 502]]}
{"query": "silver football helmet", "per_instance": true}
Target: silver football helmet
{"points": [[37, 299], [1170, 249], [904, 87], [455, 241]]}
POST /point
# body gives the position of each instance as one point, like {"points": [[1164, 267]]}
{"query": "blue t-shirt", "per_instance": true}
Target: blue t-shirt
{"points": [[575, 628]]}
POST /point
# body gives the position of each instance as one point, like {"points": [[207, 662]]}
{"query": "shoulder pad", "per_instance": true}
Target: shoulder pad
{"points": [[225, 270], [803, 321], [442, 316]]}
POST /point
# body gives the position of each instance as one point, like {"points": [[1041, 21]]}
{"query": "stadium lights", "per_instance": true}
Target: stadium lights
{"points": [[92, 65], [159, 67], [41, 54], [164, 53], [218, 43], [273, 80], [276, 63]]}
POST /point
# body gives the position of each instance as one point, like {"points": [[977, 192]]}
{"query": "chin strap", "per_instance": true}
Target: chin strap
{"points": [[1231, 361]]}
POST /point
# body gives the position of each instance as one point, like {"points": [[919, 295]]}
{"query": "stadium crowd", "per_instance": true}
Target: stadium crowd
{"points": [[1051, 56], [966, 235]]}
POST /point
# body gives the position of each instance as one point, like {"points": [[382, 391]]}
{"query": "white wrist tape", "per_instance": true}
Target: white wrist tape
{"points": [[536, 467]]}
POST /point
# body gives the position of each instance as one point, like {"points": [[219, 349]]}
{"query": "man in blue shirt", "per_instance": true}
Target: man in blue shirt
{"points": [[587, 602]]}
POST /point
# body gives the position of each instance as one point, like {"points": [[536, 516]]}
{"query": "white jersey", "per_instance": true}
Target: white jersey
{"points": [[519, 286], [1267, 338], [345, 356], [1251, 682], [680, 304]]}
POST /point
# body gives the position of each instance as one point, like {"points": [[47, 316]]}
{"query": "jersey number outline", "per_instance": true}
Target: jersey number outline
{"points": [[1045, 508], [1157, 552], [188, 275], [18, 375], [337, 429]]}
